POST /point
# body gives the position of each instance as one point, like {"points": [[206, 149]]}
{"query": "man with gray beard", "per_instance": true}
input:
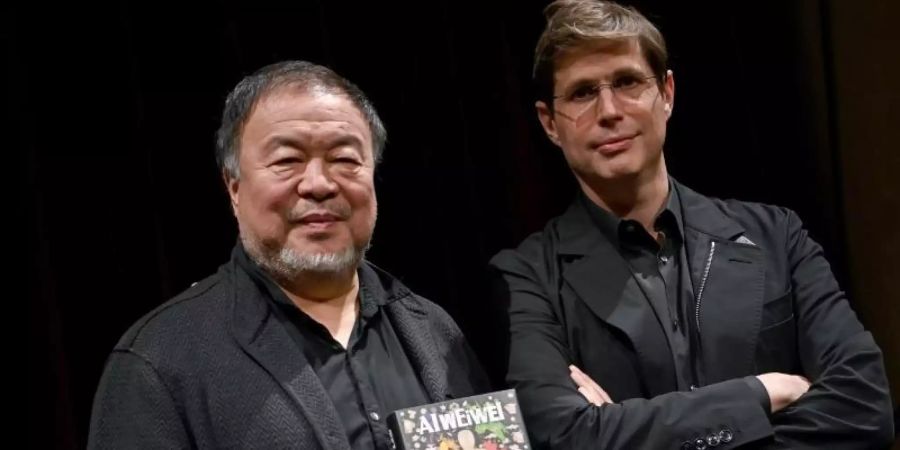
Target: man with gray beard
{"points": [[297, 341]]}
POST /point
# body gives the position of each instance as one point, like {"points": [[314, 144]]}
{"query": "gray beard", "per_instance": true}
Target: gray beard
{"points": [[288, 264]]}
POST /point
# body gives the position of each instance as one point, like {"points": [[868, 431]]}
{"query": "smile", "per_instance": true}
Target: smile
{"points": [[614, 145]]}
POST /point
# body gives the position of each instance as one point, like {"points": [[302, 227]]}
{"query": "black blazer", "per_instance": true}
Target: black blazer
{"points": [[768, 302], [213, 368]]}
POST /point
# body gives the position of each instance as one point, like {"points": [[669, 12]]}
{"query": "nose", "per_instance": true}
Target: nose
{"points": [[316, 183], [607, 107]]}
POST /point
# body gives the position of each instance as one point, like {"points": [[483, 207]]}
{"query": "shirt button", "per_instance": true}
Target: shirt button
{"points": [[726, 435], [675, 323], [374, 415]]}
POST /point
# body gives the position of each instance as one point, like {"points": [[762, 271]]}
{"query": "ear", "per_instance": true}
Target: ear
{"points": [[545, 116], [232, 185], [669, 93]]}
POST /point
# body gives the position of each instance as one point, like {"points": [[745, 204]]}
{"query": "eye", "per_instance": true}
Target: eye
{"points": [[287, 164], [346, 161], [627, 81], [288, 161], [583, 93]]}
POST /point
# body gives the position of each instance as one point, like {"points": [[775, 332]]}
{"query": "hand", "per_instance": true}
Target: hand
{"points": [[783, 389], [588, 388]]}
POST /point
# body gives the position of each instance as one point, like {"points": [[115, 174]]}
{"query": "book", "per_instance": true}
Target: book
{"points": [[489, 421]]}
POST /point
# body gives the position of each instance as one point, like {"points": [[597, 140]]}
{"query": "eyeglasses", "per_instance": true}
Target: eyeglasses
{"points": [[627, 89]]}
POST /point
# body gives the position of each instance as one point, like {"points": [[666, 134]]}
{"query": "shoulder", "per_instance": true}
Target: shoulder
{"points": [[532, 256], [196, 315], [765, 223], [755, 215]]}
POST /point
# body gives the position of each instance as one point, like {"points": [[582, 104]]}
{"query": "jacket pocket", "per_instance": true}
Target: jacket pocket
{"points": [[776, 349], [777, 312]]}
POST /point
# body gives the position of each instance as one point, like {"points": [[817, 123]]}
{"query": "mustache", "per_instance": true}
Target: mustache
{"points": [[340, 210]]}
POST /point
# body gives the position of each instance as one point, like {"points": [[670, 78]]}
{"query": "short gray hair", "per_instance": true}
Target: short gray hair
{"points": [[302, 74]]}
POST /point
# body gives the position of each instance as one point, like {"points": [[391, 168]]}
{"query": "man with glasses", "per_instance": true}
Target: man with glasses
{"points": [[649, 316]]}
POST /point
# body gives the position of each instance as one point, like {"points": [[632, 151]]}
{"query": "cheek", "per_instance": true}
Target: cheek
{"points": [[654, 130], [359, 189], [659, 134], [660, 119], [572, 134], [361, 198], [572, 144], [265, 203]]}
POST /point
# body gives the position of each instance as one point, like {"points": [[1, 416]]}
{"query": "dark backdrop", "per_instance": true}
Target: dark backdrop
{"points": [[115, 109]]}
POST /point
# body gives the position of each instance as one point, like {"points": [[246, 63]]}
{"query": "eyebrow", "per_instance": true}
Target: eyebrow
{"points": [[346, 140], [629, 70], [621, 71], [281, 140]]}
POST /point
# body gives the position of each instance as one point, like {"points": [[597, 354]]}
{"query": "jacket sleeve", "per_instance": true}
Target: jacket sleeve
{"points": [[133, 408], [848, 405], [557, 416]]}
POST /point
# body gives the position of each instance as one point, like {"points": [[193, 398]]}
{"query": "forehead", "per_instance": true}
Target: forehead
{"points": [[600, 58], [306, 112]]}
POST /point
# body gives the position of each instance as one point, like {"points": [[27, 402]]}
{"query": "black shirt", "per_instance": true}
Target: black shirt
{"points": [[369, 379], [662, 271], [660, 268]]}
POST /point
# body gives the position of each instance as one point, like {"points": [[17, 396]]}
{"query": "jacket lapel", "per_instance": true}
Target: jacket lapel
{"points": [[602, 280], [263, 338], [414, 331], [728, 279], [410, 321]]}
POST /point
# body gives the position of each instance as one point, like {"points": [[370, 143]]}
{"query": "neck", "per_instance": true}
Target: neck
{"points": [[319, 287], [638, 198], [328, 299]]}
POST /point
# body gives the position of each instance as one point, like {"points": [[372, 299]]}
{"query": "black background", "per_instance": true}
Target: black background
{"points": [[117, 107]]}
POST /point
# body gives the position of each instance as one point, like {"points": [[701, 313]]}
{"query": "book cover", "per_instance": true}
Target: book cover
{"points": [[489, 421]]}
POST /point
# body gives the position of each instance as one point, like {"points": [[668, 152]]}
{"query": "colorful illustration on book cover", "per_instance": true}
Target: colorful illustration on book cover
{"points": [[490, 422]]}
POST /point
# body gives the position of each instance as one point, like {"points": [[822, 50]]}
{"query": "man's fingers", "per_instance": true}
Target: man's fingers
{"points": [[604, 395], [591, 384], [587, 383], [589, 396], [579, 376], [584, 387]]}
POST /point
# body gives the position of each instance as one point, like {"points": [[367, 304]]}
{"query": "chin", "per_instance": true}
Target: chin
{"points": [[618, 173], [625, 168], [313, 246]]}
